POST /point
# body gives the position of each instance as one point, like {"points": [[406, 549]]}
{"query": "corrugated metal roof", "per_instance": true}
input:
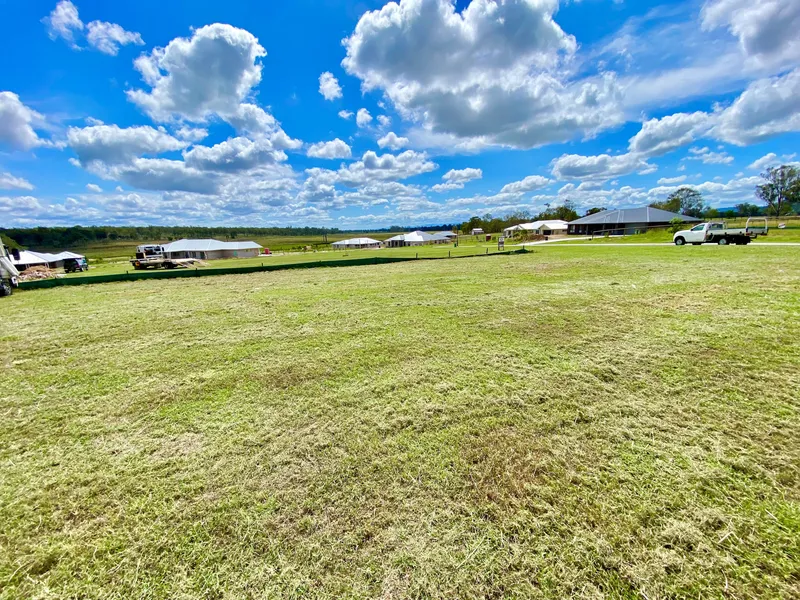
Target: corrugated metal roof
{"points": [[356, 242], [550, 224], [29, 257], [645, 214], [208, 245], [418, 236]]}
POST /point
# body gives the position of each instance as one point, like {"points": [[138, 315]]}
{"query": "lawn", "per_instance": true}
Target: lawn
{"points": [[108, 267], [620, 422]]}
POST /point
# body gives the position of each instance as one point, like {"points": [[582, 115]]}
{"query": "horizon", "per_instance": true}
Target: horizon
{"points": [[424, 111]]}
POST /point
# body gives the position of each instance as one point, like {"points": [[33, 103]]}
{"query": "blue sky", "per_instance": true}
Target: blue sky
{"points": [[366, 114]]}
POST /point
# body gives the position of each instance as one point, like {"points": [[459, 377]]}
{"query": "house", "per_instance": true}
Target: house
{"points": [[477, 231], [211, 249], [625, 221], [416, 238], [546, 227], [356, 244], [28, 258]]}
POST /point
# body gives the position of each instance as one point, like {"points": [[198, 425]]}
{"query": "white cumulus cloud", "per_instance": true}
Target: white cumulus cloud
{"points": [[18, 124], [10, 182], [474, 75], [363, 118], [210, 73], [392, 141], [600, 167], [64, 22], [330, 150], [329, 86]]}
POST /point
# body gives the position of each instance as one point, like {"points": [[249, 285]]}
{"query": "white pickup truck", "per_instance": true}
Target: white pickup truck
{"points": [[719, 233]]}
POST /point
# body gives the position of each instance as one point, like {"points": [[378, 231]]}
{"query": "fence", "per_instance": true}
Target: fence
{"points": [[178, 273]]}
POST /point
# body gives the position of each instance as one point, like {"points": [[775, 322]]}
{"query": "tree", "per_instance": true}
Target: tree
{"points": [[781, 190], [745, 209], [565, 212], [684, 200], [594, 211]]}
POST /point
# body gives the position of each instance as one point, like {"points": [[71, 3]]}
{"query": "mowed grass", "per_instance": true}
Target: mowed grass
{"points": [[125, 249], [618, 423], [470, 248]]}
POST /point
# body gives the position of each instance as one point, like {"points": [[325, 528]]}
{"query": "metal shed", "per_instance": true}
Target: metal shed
{"points": [[210, 249], [625, 221]]}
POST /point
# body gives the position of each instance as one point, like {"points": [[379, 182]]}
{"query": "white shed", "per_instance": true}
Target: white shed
{"points": [[356, 244], [210, 249]]}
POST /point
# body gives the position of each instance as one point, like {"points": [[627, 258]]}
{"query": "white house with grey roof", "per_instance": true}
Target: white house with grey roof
{"points": [[545, 227], [625, 221], [416, 238], [356, 244], [211, 249]]}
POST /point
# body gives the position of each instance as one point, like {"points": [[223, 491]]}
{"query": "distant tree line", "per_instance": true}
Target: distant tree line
{"points": [[77, 236], [780, 194]]}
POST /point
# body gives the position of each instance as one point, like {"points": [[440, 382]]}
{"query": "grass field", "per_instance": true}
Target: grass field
{"points": [[614, 422], [109, 267], [117, 250]]}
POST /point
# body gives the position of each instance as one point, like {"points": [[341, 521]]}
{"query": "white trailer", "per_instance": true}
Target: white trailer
{"points": [[8, 272], [719, 233]]}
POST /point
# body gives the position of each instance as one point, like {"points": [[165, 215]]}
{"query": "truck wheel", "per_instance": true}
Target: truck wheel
{"points": [[5, 288], [680, 241], [723, 241]]}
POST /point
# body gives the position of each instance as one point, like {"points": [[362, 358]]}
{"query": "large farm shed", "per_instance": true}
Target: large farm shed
{"points": [[416, 238], [356, 244], [625, 221], [28, 258], [211, 249], [547, 227]]}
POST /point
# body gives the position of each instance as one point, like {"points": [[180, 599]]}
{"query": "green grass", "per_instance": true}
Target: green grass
{"points": [[622, 423], [119, 250], [109, 267]]}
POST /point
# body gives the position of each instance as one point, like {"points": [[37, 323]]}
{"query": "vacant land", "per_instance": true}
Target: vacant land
{"points": [[437, 251], [123, 249], [620, 423]]}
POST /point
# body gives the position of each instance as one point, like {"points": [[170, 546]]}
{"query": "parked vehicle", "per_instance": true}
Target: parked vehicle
{"points": [[719, 233], [75, 265], [8, 272], [152, 257]]}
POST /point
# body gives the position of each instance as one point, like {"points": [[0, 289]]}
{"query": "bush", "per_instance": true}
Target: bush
{"points": [[676, 225]]}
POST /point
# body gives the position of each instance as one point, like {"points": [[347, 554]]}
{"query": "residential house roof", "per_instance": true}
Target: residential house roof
{"points": [[208, 245], [365, 241], [644, 214]]}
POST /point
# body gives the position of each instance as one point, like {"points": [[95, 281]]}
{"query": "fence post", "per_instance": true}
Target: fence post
{"points": [[448, 254]]}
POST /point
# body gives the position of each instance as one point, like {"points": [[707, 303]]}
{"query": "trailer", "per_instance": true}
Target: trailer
{"points": [[8, 272], [720, 233], [153, 257]]}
